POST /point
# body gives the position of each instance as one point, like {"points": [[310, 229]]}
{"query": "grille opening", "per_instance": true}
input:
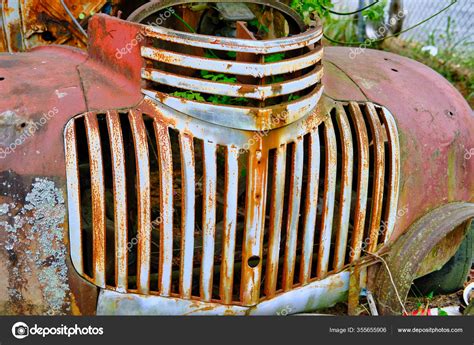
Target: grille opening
{"points": [[336, 225], [303, 201], [156, 219], [221, 155], [285, 218], [268, 202], [131, 173], [387, 178], [199, 170], [355, 175], [177, 204], [370, 192], [86, 198], [321, 190], [219, 99], [243, 164]]}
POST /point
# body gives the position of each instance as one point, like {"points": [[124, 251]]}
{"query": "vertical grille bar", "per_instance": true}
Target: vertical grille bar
{"points": [[362, 180], [230, 224], [98, 198], [311, 206], [166, 207], [276, 215], [143, 201], [74, 197], [346, 188], [394, 178], [379, 157], [254, 224], [329, 196], [187, 214], [294, 212], [209, 219], [120, 199]]}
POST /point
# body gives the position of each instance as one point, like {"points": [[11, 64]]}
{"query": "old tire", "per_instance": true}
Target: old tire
{"points": [[452, 276], [404, 260]]}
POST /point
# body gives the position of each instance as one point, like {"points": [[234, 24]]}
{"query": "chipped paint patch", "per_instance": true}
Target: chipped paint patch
{"points": [[60, 94]]}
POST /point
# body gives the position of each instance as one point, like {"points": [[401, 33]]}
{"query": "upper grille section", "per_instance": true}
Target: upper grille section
{"points": [[160, 203], [246, 90]]}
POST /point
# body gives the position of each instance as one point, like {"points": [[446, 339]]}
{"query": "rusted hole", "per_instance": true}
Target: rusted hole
{"points": [[48, 36], [23, 125], [2, 78], [395, 70], [253, 261]]}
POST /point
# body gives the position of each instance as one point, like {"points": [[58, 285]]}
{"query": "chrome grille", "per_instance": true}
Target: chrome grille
{"points": [[284, 211]]}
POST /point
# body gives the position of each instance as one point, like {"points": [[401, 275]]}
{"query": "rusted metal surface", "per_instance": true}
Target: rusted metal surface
{"points": [[188, 218], [98, 199], [444, 250], [406, 257], [166, 206], [83, 84], [362, 180], [311, 207], [316, 295], [346, 188], [31, 23], [435, 126], [120, 199], [266, 249], [306, 54]]}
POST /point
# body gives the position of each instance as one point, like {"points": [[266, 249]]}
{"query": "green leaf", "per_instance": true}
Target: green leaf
{"points": [[293, 98], [232, 55], [441, 312], [430, 295], [275, 57]]}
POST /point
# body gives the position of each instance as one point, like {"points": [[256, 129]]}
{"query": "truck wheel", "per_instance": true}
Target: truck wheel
{"points": [[404, 260], [452, 276]]}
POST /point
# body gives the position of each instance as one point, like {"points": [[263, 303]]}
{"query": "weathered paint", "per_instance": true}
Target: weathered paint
{"points": [[435, 125], [107, 82], [317, 295], [283, 237]]}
